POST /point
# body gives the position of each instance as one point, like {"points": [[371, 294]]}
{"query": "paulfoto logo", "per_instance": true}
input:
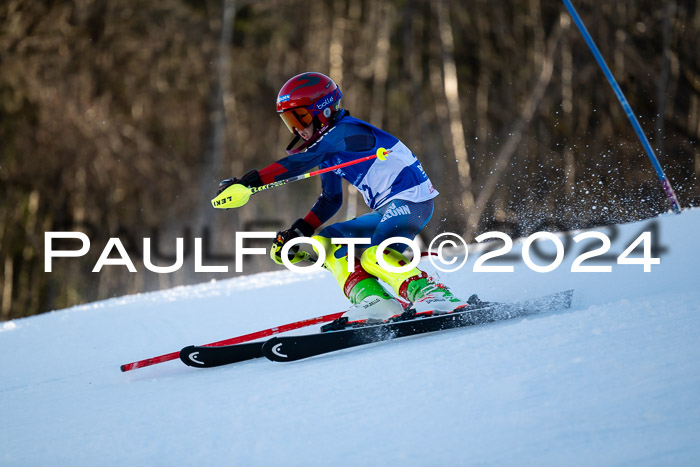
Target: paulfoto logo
{"points": [[541, 252], [116, 246]]}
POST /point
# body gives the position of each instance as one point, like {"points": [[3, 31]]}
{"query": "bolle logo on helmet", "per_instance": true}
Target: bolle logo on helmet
{"points": [[325, 103], [283, 98]]}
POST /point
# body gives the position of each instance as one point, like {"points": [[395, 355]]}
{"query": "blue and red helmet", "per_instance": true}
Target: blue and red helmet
{"points": [[306, 99]]}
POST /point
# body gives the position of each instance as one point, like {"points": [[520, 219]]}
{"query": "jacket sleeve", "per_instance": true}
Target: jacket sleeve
{"points": [[331, 198], [290, 166], [328, 203]]}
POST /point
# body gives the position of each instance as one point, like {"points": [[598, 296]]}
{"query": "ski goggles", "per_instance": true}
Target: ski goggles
{"points": [[298, 118]]}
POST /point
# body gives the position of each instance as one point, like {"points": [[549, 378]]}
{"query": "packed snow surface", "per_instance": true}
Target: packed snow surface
{"points": [[613, 380]]}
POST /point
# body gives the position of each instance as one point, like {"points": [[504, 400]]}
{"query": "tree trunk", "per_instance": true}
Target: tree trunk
{"points": [[212, 159], [451, 89]]}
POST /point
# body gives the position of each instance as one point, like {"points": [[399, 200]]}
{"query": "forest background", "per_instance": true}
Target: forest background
{"points": [[119, 118]]}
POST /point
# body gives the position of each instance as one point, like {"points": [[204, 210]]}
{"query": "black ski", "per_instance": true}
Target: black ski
{"points": [[287, 349], [200, 356]]}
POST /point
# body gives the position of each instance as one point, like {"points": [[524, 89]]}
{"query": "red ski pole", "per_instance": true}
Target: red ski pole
{"points": [[237, 340], [237, 195]]}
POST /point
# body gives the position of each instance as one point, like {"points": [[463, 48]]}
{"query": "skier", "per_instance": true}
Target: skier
{"points": [[396, 189]]}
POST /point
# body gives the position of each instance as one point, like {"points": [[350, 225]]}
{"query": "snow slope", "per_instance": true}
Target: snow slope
{"points": [[615, 380]]}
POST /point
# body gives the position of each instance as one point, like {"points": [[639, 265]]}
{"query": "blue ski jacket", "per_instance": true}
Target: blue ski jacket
{"points": [[400, 176]]}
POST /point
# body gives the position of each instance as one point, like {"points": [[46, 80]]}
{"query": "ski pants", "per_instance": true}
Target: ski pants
{"points": [[398, 218]]}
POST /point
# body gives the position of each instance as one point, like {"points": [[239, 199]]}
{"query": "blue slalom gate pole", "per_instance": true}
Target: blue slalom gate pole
{"points": [[625, 105]]}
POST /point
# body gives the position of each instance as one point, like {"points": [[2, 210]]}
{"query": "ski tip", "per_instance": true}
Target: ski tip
{"points": [[189, 357]]}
